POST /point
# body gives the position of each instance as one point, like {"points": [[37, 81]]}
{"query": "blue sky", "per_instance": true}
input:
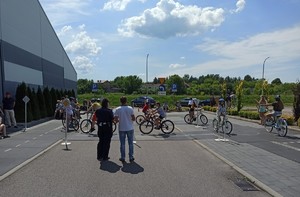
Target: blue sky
{"points": [[110, 38]]}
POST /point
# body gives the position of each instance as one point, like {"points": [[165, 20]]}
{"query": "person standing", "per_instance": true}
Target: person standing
{"points": [[262, 108], [105, 118], [8, 107], [3, 129], [125, 116]]}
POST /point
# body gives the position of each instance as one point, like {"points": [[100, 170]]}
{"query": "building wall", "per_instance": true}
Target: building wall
{"points": [[30, 49]]}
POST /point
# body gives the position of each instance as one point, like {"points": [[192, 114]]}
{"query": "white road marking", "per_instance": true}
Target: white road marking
{"points": [[18, 145], [287, 146], [27, 141], [8, 150], [34, 138], [41, 135]]}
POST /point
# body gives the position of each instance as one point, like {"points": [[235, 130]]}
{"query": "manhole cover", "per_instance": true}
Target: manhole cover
{"points": [[245, 185]]}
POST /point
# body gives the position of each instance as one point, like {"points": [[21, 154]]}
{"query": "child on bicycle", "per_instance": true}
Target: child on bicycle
{"points": [[221, 111], [161, 114], [96, 105], [277, 108], [192, 110]]}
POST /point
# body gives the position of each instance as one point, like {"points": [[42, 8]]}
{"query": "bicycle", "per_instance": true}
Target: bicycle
{"points": [[86, 125], [200, 116], [140, 118], [147, 126], [74, 124], [278, 123], [225, 124]]}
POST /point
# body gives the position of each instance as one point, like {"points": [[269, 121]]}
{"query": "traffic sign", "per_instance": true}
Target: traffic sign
{"points": [[94, 87], [174, 87]]}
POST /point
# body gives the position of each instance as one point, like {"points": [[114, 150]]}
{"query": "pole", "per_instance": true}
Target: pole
{"points": [[263, 75], [147, 73]]}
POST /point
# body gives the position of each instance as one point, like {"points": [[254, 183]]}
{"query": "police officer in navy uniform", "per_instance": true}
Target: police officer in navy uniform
{"points": [[104, 121]]}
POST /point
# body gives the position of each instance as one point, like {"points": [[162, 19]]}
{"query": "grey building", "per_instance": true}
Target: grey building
{"points": [[30, 50]]}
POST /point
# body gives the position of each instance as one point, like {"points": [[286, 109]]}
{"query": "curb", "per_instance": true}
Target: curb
{"points": [[241, 171]]}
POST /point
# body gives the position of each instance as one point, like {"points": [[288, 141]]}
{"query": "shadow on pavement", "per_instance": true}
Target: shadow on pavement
{"points": [[132, 168], [109, 166]]}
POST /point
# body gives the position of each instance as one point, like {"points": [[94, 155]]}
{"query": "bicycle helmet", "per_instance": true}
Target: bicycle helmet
{"points": [[221, 100], [277, 97]]}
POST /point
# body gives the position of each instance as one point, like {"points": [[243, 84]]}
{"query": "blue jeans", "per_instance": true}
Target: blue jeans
{"points": [[122, 137]]}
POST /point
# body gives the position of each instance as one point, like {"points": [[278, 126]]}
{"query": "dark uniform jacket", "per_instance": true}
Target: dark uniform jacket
{"points": [[104, 118]]}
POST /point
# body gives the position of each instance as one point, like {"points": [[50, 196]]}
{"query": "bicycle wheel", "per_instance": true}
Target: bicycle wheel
{"points": [[146, 127], [75, 124], [167, 126], [227, 127], [269, 124], [114, 127], [187, 119], [139, 119], [215, 125], [203, 119], [85, 125], [282, 127]]}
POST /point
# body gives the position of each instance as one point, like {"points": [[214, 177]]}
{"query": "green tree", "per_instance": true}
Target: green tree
{"points": [[239, 95], [132, 83], [29, 105], [20, 105], [42, 104], [48, 102], [276, 81], [84, 86], [36, 114], [296, 104]]}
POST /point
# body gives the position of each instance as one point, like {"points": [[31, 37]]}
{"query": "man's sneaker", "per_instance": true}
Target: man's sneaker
{"points": [[131, 159], [122, 160], [15, 127], [6, 136], [91, 130]]}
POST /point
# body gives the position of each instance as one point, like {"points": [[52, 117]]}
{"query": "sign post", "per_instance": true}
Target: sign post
{"points": [[26, 99], [66, 102]]}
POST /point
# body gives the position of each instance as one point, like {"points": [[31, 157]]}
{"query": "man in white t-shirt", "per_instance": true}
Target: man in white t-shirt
{"points": [[125, 116]]}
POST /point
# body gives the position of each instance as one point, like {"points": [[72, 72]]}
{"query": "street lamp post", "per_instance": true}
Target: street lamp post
{"points": [[147, 72], [263, 75]]}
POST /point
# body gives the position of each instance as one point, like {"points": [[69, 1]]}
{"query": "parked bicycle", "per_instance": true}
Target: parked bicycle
{"points": [[278, 123], [147, 126], [86, 124], [225, 124], [200, 116]]}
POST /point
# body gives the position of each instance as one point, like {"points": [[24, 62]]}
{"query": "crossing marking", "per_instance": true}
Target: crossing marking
{"points": [[18, 145]]}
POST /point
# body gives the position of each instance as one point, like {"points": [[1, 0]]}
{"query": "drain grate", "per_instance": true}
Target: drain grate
{"points": [[245, 185]]}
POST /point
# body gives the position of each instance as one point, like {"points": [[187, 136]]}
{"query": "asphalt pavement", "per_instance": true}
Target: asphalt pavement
{"points": [[272, 173]]}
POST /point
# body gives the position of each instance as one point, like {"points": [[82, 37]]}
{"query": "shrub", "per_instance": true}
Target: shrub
{"points": [[289, 119]]}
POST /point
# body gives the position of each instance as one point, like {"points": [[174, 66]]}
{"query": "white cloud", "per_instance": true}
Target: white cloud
{"points": [[240, 5], [118, 5], [61, 12], [82, 43], [83, 64], [170, 18], [248, 55], [176, 66], [63, 31]]}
